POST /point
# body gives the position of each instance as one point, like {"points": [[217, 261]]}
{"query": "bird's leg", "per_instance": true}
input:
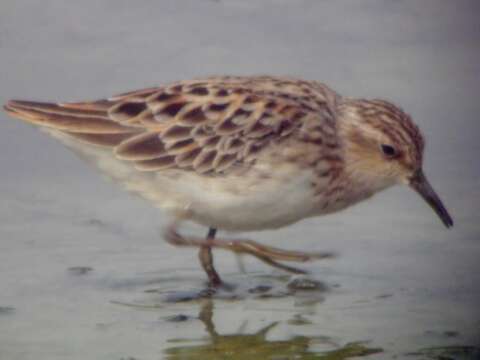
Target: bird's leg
{"points": [[268, 254], [206, 259]]}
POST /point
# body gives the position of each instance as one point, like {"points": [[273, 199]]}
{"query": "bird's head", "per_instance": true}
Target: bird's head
{"points": [[384, 147]]}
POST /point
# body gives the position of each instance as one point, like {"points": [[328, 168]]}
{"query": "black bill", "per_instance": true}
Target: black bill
{"points": [[421, 185]]}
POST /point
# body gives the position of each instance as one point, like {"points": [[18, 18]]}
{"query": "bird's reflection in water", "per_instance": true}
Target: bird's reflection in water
{"points": [[256, 345]]}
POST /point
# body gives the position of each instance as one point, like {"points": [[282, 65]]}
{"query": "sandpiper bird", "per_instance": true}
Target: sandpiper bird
{"points": [[242, 153]]}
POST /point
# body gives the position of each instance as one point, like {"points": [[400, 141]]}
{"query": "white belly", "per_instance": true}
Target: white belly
{"points": [[238, 202]]}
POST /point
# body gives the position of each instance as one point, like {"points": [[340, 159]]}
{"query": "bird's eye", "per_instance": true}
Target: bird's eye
{"points": [[388, 150]]}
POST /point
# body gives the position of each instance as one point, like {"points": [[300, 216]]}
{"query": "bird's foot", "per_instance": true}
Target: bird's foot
{"points": [[268, 254]]}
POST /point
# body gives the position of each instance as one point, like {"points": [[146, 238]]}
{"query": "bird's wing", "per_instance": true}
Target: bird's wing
{"points": [[206, 126]]}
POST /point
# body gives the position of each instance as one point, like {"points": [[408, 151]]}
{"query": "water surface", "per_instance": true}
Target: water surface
{"points": [[83, 271]]}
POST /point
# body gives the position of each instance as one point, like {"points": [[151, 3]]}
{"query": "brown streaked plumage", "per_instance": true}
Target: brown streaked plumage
{"points": [[242, 153]]}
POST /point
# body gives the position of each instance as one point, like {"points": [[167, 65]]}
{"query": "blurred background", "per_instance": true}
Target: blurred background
{"points": [[83, 270]]}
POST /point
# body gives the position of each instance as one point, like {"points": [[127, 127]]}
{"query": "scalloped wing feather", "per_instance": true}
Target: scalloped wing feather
{"points": [[208, 126]]}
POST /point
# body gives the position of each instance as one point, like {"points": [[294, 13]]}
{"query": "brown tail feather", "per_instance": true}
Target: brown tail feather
{"points": [[100, 106], [73, 109], [107, 140], [86, 118]]}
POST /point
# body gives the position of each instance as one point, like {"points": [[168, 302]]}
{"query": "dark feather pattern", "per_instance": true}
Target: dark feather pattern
{"points": [[207, 126]]}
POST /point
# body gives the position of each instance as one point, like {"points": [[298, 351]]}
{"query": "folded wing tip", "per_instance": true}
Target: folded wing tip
{"points": [[13, 105], [9, 106]]}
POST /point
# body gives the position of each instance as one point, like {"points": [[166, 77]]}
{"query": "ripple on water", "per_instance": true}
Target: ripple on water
{"points": [[302, 288], [6, 310]]}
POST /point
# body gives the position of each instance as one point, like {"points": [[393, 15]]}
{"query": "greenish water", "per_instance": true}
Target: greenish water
{"points": [[256, 345], [299, 300]]}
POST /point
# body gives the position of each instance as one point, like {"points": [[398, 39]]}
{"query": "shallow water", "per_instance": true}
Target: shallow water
{"points": [[83, 271], [94, 289]]}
